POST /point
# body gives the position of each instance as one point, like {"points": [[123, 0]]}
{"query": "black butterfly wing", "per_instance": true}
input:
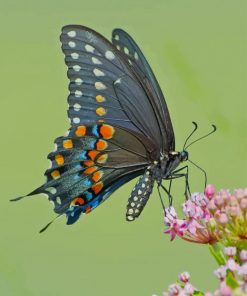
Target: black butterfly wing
{"points": [[90, 163], [127, 46], [103, 87], [115, 133]]}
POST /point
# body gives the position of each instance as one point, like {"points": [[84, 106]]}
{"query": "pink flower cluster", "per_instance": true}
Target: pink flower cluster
{"points": [[211, 217], [232, 277]]}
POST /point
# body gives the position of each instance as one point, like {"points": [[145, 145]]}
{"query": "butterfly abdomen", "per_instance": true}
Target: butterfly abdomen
{"points": [[139, 196]]}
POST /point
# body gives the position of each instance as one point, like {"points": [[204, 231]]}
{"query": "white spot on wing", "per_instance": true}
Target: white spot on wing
{"points": [[75, 55], [77, 107], [117, 81], [109, 55], [71, 33], [77, 68], [72, 44], [89, 48], [132, 204], [96, 61], [52, 190], [78, 81], [116, 37], [126, 50], [135, 198], [139, 192], [131, 211], [99, 85], [76, 120], [98, 73], [136, 56], [78, 93], [118, 47]]}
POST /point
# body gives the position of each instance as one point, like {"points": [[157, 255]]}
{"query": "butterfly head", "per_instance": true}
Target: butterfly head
{"points": [[184, 155]]}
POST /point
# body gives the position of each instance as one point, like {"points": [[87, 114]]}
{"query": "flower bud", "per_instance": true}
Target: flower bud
{"points": [[209, 191], [184, 277]]}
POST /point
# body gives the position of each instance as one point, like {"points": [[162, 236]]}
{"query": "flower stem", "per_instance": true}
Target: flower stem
{"points": [[216, 251]]}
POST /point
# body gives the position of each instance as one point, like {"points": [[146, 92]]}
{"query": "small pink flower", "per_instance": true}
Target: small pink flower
{"points": [[224, 290], [219, 201], [199, 199], [232, 264], [221, 272], [243, 203], [223, 218], [188, 289], [230, 251], [243, 255], [239, 193], [174, 289], [184, 277], [209, 191]]}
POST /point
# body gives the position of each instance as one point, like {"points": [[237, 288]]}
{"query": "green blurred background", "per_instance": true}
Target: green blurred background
{"points": [[198, 52]]}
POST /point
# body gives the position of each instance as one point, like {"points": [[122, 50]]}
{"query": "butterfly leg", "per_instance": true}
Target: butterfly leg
{"points": [[178, 174]]}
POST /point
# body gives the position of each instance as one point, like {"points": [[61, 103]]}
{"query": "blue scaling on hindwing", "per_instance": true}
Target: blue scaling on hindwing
{"points": [[88, 195], [95, 130]]}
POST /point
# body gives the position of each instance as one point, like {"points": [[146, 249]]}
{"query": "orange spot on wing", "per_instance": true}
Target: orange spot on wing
{"points": [[100, 98], [101, 145], [93, 153], [97, 176], [100, 111], [90, 170], [88, 210], [67, 144], [79, 201], [55, 174], [107, 131], [88, 163], [102, 158], [97, 187], [59, 159], [80, 131]]}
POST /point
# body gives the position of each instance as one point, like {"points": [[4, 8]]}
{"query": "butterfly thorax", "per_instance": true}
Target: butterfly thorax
{"points": [[167, 164]]}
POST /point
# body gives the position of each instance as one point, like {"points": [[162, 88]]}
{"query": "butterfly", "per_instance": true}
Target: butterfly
{"points": [[120, 127]]}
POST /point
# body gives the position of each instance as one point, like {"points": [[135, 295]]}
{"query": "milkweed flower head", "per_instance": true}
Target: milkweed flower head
{"points": [[232, 278], [211, 217]]}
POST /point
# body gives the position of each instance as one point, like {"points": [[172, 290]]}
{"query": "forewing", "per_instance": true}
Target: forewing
{"points": [[127, 46], [95, 67]]}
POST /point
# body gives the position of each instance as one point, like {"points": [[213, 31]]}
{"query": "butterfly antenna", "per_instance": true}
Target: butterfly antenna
{"points": [[47, 225], [214, 130], [195, 128]]}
